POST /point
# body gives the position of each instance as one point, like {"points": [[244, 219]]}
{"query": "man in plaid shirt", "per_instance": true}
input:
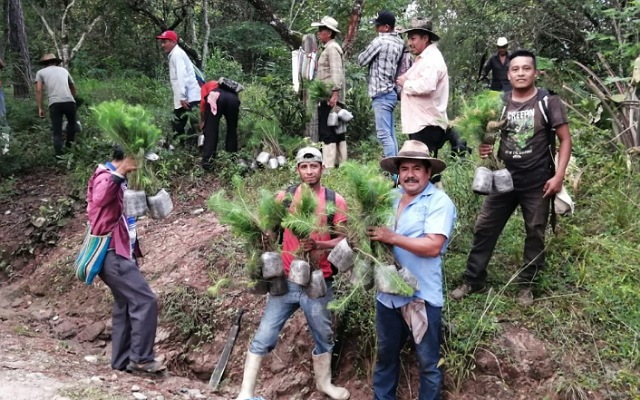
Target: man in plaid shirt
{"points": [[382, 56]]}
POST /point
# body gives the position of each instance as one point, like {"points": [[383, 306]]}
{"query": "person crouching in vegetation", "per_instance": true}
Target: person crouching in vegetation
{"points": [[217, 102], [135, 306], [280, 308], [420, 234], [61, 92], [527, 147]]}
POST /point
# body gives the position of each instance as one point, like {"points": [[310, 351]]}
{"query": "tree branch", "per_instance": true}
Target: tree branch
{"points": [[291, 38], [47, 27], [81, 40]]}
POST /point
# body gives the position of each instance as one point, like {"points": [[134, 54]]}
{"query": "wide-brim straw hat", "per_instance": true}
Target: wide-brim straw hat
{"points": [[412, 150], [328, 23], [422, 24], [48, 58]]}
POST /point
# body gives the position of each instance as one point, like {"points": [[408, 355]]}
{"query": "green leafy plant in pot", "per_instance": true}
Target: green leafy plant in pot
{"points": [[479, 120], [132, 128], [256, 224]]}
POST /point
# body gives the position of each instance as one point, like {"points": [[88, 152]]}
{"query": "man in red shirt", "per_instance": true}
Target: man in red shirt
{"points": [[280, 308], [217, 102]]}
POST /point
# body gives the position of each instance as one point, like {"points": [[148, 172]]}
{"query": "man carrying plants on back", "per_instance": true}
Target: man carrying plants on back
{"points": [[280, 308], [534, 118], [185, 87], [135, 306], [419, 236], [61, 92]]}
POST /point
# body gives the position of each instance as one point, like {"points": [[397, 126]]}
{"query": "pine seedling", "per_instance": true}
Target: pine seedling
{"points": [[303, 221]]}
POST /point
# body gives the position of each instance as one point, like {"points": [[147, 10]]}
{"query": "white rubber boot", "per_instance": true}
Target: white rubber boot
{"points": [[342, 152], [322, 371], [329, 155], [251, 369]]}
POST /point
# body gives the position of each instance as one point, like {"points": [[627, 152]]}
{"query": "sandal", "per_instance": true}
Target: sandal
{"points": [[150, 367]]}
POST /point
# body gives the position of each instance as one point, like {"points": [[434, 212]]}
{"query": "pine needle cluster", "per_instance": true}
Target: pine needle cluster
{"points": [[318, 91], [476, 114], [253, 222], [131, 128], [302, 221], [374, 198]]}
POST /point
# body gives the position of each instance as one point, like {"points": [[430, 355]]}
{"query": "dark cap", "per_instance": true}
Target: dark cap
{"points": [[384, 17]]}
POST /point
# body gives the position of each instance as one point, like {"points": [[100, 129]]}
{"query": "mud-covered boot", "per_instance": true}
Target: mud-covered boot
{"points": [[251, 370], [322, 371]]}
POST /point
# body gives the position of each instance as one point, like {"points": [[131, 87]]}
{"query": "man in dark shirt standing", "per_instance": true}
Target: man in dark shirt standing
{"points": [[498, 65]]}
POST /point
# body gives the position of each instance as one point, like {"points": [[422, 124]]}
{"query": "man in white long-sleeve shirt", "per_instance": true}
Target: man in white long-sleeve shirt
{"points": [[186, 91]]}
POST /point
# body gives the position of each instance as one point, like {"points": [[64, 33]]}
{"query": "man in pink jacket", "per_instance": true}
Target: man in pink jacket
{"points": [[135, 307]]}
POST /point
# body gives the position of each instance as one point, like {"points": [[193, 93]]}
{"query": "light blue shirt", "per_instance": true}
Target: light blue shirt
{"points": [[431, 212]]}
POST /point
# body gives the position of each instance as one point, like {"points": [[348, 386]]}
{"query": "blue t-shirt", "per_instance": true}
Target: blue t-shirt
{"points": [[431, 212]]}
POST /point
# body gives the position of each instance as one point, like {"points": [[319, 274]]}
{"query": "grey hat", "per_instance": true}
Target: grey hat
{"points": [[422, 24], [308, 154]]}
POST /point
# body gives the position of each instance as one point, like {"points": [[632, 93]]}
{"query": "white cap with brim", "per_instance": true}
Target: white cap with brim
{"points": [[412, 150], [308, 154], [502, 42]]}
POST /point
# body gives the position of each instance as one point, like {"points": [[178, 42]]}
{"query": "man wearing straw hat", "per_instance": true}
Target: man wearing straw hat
{"points": [[425, 88], [419, 235], [61, 92], [330, 72]]}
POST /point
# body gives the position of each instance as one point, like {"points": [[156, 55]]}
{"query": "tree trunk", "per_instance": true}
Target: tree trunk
{"points": [[291, 38], [207, 31], [22, 75], [352, 29]]}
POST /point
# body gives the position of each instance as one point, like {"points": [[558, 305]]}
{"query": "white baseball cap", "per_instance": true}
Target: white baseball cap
{"points": [[308, 154], [502, 41]]}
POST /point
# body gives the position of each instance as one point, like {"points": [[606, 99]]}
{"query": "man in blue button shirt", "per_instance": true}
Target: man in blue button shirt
{"points": [[419, 235]]}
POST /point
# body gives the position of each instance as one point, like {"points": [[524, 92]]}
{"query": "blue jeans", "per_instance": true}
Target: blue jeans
{"points": [[280, 308], [383, 106], [392, 335]]}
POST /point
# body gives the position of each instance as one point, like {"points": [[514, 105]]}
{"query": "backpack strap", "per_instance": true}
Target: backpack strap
{"points": [[543, 106]]}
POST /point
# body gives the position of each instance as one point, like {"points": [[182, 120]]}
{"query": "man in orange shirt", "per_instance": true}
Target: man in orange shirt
{"points": [[280, 308]]}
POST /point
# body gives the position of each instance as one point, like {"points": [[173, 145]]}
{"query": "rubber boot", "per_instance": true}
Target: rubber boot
{"points": [[329, 155], [322, 371], [251, 369], [342, 152]]}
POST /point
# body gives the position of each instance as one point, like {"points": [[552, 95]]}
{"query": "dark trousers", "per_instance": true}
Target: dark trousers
{"points": [[327, 134], [393, 333], [56, 112], [432, 136], [228, 107], [181, 117], [495, 213], [134, 314]]}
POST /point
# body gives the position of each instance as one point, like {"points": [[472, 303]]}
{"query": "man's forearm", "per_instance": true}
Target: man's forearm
{"points": [[39, 99]]}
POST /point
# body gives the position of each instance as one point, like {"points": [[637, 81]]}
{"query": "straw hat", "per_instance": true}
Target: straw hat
{"points": [[327, 22], [48, 58], [412, 150]]}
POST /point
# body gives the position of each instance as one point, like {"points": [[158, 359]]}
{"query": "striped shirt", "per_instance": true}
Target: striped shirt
{"points": [[382, 56]]}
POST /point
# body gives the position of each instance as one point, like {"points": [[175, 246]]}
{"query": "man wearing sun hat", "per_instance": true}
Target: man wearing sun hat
{"points": [[61, 93], [419, 236], [498, 65], [331, 72], [185, 87], [425, 87]]}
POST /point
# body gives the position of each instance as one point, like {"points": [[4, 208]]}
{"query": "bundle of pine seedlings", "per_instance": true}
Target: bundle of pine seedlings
{"points": [[371, 204], [302, 221], [133, 129], [479, 120], [256, 225]]}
